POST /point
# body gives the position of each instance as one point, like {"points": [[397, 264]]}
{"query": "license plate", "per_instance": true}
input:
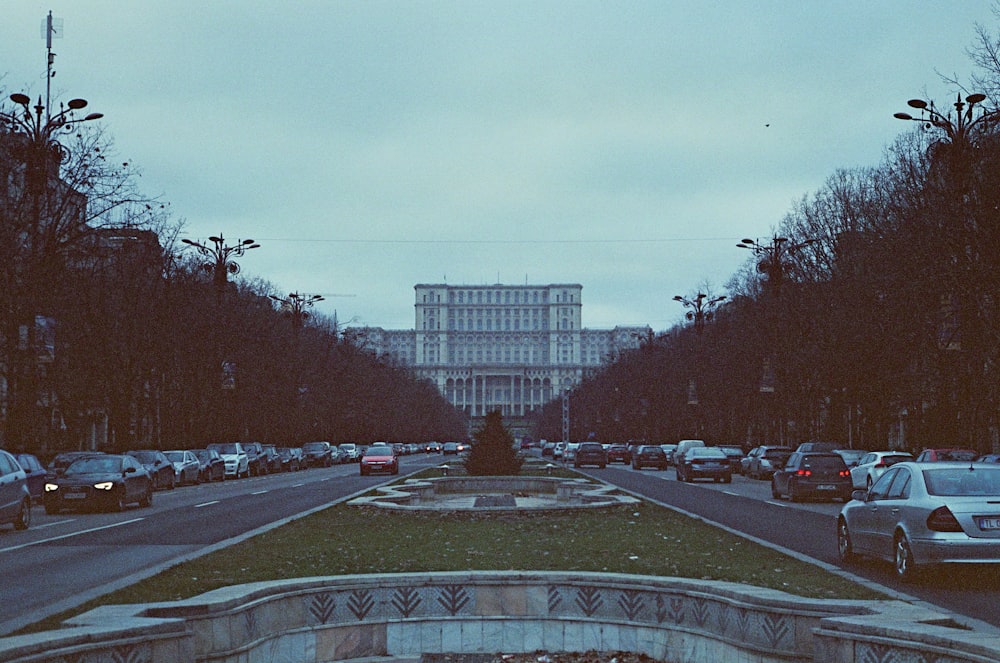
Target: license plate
{"points": [[75, 496], [992, 522], [825, 486]]}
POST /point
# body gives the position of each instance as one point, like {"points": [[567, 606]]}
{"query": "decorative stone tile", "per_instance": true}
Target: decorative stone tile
{"points": [[430, 637], [472, 636], [533, 636], [572, 635], [407, 602], [590, 636], [610, 637], [513, 636], [403, 639], [454, 599], [632, 604], [553, 636], [451, 636], [588, 600], [493, 635]]}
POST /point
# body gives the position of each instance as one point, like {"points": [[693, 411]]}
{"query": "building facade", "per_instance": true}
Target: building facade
{"points": [[501, 347]]}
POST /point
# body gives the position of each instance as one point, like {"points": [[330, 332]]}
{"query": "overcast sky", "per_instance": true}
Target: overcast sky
{"points": [[372, 145]]}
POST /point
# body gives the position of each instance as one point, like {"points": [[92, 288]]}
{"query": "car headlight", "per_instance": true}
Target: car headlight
{"points": [[104, 485], [51, 487]]}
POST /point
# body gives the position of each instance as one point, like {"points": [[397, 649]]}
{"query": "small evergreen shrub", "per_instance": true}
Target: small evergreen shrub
{"points": [[492, 451]]}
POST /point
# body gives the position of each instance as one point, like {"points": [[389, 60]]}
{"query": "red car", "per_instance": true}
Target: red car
{"points": [[937, 455], [618, 453], [379, 458]]}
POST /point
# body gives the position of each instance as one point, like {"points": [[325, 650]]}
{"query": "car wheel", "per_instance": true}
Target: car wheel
{"points": [[844, 547], [147, 498], [906, 570], [23, 520]]}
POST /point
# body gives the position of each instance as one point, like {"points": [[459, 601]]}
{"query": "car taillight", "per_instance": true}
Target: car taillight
{"points": [[845, 473], [943, 520], [803, 473], [880, 464]]}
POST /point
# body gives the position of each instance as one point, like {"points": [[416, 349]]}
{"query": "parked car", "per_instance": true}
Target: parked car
{"points": [[35, 471], [450, 448], [158, 466], [289, 460], [939, 455], [873, 464], [734, 454], [15, 497], [105, 481], [590, 453], [235, 457], [917, 515], [211, 466], [618, 453], [379, 458], [317, 454], [271, 458], [704, 463], [351, 450], [256, 460], [669, 449], [812, 474], [649, 455], [764, 460], [989, 458], [187, 469]]}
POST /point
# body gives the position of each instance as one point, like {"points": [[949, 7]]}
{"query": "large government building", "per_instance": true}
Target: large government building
{"points": [[501, 347]]}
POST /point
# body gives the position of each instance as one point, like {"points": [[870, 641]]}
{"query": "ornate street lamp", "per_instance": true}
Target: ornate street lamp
{"points": [[296, 305], [773, 257], [220, 258], [702, 309], [960, 128]]}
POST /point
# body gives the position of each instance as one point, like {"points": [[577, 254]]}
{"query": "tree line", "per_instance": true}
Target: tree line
{"points": [[881, 329]]}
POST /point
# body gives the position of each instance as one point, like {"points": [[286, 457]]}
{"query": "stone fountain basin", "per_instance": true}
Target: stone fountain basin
{"points": [[495, 493]]}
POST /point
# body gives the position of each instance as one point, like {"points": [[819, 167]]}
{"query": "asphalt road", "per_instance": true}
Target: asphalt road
{"points": [[746, 506], [65, 559]]}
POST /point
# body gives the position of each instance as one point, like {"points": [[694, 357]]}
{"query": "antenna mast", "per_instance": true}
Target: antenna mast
{"points": [[52, 29]]}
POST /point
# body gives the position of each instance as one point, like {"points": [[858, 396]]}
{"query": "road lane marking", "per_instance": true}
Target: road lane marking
{"points": [[297, 485], [198, 506], [259, 492], [58, 522], [66, 536]]}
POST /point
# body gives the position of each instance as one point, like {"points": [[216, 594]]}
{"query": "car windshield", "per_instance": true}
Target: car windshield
{"points": [[349, 447], [772, 454], [963, 481], [956, 454], [144, 456], [203, 454], [706, 452], [652, 451], [174, 456], [379, 450], [892, 460], [95, 465], [229, 449]]}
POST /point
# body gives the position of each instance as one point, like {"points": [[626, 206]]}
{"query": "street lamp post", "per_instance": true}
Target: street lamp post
{"points": [[32, 138], [701, 309], [221, 258], [959, 129], [296, 307], [773, 257]]}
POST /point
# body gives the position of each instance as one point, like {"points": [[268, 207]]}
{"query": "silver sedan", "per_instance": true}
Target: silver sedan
{"points": [[921, 514]]}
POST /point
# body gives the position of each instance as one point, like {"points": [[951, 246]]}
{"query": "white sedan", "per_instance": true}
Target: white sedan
{"points": [[187, 469], [873, 464]]}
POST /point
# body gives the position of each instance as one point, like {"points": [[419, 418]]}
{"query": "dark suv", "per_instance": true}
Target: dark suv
{"points": [[813, 474], [272, 459], [590, 453], [317, 454]]}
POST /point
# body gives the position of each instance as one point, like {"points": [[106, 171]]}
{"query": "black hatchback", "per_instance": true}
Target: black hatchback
{"points": [[812, 475], [590, 453]]}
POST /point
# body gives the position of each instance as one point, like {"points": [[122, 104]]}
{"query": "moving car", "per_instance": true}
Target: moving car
{"points": [[734, 454], [704, 463], [921, 514], [107, 481], [379, 458], [649, 455], [158, 466], [873, 464], [590, 453], [211, 465], [682, 448], [450, 448], [187, 469], [618, 453], [15, 498], [813, 474], [235, 457]]}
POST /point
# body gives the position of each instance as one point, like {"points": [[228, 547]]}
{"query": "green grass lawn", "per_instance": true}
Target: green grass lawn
{"points": [[639, 539]]}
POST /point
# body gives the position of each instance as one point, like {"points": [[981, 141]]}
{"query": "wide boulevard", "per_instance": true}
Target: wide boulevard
{"points": [[66, 558]]}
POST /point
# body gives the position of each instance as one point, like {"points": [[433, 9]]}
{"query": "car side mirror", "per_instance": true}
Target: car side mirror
{"points": [[861, 495]]}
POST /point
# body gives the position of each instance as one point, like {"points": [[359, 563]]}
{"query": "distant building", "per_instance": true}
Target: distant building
{"points": [[506, 347]]}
